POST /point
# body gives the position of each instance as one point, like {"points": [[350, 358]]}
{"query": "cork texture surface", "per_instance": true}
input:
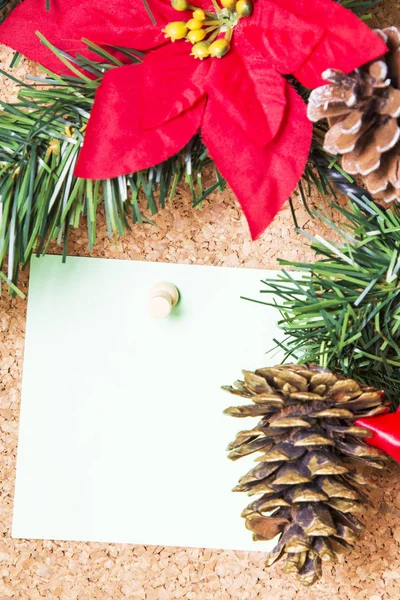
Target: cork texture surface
{"points": [[29, 569]]}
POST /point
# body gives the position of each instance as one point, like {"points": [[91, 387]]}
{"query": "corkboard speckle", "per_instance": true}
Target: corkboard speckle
{"points": [[29, 569]]}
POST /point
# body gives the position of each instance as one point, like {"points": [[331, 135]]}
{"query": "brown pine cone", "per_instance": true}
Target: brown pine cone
{"points": [[306, 478], [363, 112]]}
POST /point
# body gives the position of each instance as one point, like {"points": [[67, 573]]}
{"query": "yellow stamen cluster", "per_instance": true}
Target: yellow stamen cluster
{"points": [[53, 148], [205, 29]]}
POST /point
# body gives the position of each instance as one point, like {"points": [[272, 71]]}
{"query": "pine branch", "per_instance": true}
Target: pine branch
{"points": [[344, 311], [344, 183], [40, 138]]}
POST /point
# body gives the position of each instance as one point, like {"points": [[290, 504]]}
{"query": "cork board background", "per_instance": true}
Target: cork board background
{"points": [[216, 235]]}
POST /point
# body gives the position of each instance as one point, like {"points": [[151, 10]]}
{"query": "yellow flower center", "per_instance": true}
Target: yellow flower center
{"points": [[209, 32]]}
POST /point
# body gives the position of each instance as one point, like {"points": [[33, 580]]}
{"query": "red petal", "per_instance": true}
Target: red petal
{"points": [[115, 143], [250, 92], [262, 178], [109, 22], [306, 37], [386, 432], [173, 81], [204, 4]]}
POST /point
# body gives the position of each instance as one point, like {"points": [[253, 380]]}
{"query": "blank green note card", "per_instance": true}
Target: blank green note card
{"points": [[122, 436]]}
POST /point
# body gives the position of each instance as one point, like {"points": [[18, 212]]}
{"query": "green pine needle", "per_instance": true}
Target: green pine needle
{"points": [[148, 10], [344, 311], [40, 138]]}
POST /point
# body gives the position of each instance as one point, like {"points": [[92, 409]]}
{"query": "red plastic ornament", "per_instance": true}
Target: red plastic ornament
{"points": [[386, 430]]}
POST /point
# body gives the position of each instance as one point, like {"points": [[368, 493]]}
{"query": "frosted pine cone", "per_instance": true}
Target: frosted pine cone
{"points": [[363, 112]]}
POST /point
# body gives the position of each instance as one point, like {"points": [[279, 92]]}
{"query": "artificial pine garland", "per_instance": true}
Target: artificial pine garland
{"points": [[40, 140], [341, 180], [41, 136], [344, 311]]}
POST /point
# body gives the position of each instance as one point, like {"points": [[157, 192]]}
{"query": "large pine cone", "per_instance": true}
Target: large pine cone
{"points": [[363, 112], [306, 474]]}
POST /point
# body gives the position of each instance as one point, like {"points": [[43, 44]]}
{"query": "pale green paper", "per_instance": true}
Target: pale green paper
{"points": [[122, 436]]}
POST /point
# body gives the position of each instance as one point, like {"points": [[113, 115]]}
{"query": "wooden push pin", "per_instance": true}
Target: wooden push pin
{"points": [[163, 297]]}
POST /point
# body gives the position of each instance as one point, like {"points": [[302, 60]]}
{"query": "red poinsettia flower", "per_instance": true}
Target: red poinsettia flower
{"points": [[251, 119]]}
